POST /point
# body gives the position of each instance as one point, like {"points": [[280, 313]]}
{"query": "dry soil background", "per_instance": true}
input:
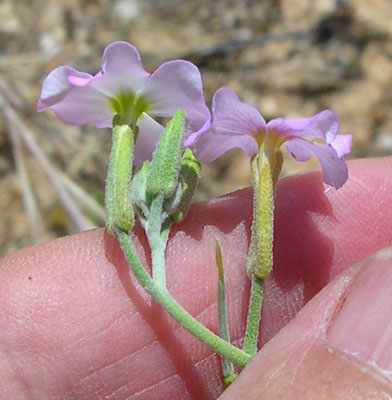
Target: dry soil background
{"points": [[291, 58]]}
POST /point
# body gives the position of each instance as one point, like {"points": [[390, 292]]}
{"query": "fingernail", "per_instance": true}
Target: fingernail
{"points": [[363, 325]]}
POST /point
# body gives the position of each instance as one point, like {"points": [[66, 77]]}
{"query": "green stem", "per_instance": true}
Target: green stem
{"points": [[164, 298], [254, 315]]}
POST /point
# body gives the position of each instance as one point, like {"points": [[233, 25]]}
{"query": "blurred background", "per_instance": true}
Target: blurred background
{"points": [[291, 58]]}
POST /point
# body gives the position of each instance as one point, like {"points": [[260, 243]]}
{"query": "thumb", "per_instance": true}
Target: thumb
{"points": [[338, 347]]}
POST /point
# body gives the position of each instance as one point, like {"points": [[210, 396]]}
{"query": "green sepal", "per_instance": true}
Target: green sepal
{"points": [[229, 379], [189, 176], [277, 166], [119, 211], [165, 164], [171, 204], [138, 188], [260, 249]]}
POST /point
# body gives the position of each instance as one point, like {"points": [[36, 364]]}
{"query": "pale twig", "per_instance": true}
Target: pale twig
{"points": [[85, 200], [63, 138], [8, 61], [83, 155], [13, 97], [29, 199], [69, 204], [30, 32]]}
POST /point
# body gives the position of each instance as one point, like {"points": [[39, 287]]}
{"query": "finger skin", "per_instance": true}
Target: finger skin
{"points": [[318, 236], [306, 361], [74, 323]]}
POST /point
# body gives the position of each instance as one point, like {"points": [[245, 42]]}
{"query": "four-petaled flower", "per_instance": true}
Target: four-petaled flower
{"points": [[123, 87], [238, 124]]}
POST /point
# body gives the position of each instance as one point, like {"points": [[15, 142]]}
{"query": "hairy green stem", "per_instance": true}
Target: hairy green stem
{"points": [[163, 297], [254, 315]]}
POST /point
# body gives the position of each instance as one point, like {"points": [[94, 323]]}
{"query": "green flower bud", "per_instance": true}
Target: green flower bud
{"points": [[189, 176], [165, 164], [138, 188], [260, 248], [119, 211]]}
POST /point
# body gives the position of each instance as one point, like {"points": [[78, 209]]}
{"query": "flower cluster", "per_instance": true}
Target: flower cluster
{"points": [[237, 124], [122, 87], [122, 95]]}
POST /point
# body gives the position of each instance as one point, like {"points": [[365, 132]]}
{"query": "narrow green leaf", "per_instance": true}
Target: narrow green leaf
{"points": [[219, 261], [227, 366]]}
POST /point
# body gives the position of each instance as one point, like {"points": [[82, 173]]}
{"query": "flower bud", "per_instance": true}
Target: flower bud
{"points": [[119, 211], [260, 249], [189, 176], [166, 161]]}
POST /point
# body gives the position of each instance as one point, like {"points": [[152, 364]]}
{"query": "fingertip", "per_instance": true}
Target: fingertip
{"points": [[337, 347]]}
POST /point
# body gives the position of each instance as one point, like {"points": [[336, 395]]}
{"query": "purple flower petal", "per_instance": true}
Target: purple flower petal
{"points": [[177, 84], [233, 117], [79, 80], [210, 146], [342, 144], [234, 124], [149, 131], [123, 86], [106, 123], [334, 169], [192, 134], [75, 105], [323, 125], [78, 98], [56, 85], [121, 71]]}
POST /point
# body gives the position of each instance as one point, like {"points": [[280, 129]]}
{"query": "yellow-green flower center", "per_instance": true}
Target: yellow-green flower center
{"points": [[129, 106], [269, 142]]}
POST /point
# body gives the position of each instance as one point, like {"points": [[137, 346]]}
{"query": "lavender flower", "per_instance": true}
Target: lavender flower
{"points": [[237, 124], [123, 87]]}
